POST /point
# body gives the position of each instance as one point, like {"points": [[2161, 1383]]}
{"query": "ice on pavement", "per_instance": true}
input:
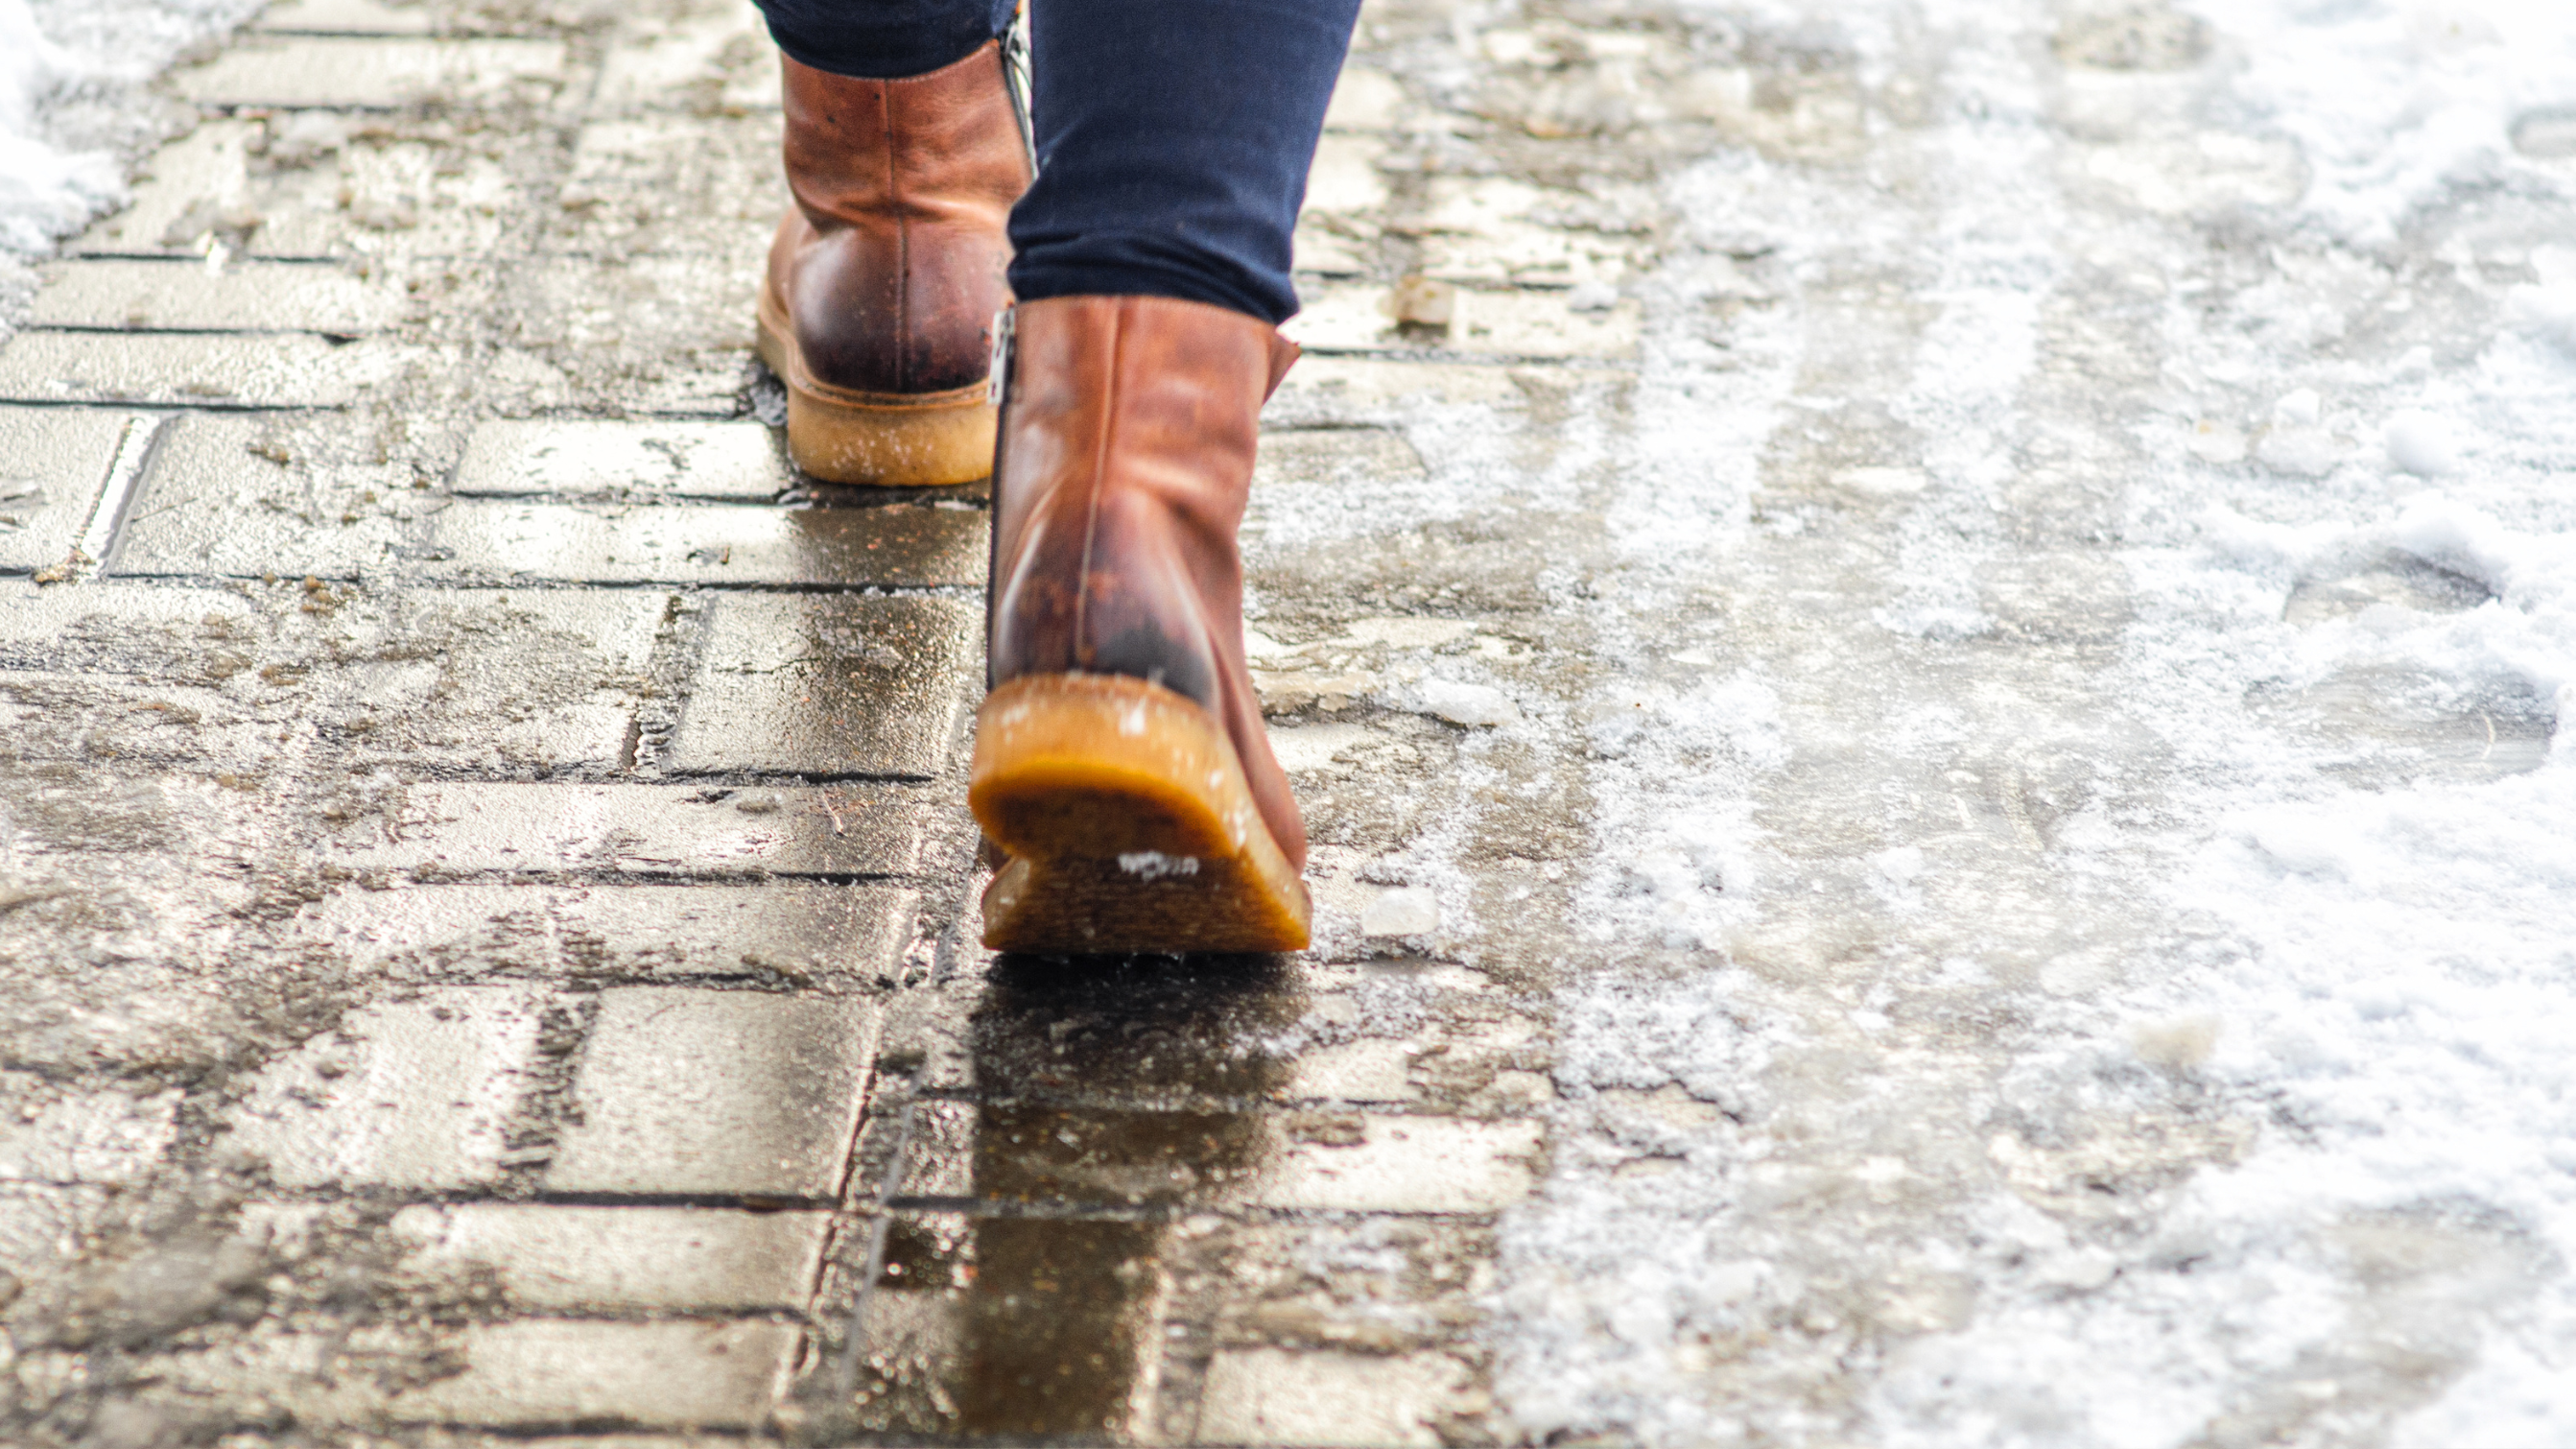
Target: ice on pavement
{"points": [[2218, 1089]]}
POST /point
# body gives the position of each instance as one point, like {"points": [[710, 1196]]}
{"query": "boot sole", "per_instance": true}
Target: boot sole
{"points": [[885, 440], [1127, 824]]}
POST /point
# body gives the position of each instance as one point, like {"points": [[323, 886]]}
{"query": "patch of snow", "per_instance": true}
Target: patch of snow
{"points": [[73, 110]]}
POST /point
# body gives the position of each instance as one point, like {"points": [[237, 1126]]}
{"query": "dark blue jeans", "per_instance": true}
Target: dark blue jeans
{"points": [[1173, 136]]}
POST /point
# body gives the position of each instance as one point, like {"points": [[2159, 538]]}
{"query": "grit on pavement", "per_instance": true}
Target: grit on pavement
{"points": [[1799, 533]]}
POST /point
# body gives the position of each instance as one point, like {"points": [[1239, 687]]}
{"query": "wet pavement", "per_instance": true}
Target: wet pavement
{"points": [[487, 945]]}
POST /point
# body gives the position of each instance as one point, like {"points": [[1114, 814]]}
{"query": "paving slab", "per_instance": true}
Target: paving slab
{"points": [[494, 682], [642, 334], [529, 1375], [720, 545], [53, 1135], [360, 71], [41, 1227], [645, 829], [1365, 99], [620, 1259], [179, 369], [1356, 318], [52, 465], [346, 17], [403, 1094], [829, 686], [173, 633], [1369, 458], [712, 63], [1343, 391], [1015, 1329], [1327, 1398], [733, 1093], [242, 495], [328, 185], [797, 931], [1333, 1161], [179, 296], [702, 185], [734, 462]]}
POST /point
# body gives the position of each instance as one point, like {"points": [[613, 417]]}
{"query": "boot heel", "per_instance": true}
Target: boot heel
{"points": [[934, 440], [1128, 824]]}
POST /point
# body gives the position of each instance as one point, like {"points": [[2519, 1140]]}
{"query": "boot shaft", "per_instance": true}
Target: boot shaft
{"points": [[1125, 462], [950, 145]]}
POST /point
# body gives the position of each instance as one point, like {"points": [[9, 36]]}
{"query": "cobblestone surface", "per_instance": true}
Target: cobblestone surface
{"points": [[486, 909], [488, 913]]}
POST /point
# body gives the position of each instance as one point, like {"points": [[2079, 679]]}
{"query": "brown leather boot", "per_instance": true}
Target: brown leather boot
{"points": [[885, 279], [1120, 761]]}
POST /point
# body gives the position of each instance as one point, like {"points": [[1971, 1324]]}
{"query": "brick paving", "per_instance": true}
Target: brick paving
{"points": [[492, 906]]}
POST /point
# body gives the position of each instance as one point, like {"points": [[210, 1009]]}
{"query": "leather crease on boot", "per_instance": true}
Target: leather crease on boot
{"points": [[885, 277], [1121, 764]]}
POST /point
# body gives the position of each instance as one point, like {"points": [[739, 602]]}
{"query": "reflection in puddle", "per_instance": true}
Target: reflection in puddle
{"points": [[1108, 1094]]}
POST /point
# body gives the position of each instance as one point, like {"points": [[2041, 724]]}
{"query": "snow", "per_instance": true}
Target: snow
{"points": [[2257, 923], [72, 109]]}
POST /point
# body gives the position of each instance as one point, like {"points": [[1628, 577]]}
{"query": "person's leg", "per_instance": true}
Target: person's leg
{"points": [[905, 152], [1121, 764], [1173, 139]]}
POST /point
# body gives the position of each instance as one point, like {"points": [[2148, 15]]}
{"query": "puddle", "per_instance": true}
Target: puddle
{"points": [[1112, 1092]]}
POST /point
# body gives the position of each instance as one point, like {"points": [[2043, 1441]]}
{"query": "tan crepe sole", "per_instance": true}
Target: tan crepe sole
{"points": [[1127, 824], [890, 440]]}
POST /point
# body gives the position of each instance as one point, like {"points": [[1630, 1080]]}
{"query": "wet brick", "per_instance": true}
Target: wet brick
{"points": [[37, 1222], [665, 184], [331, 71], [1331, 391], [180, 369], [384, 198], [412, 1094], [829, 685], [708, 64], [496, 682], [646, 829], [1355, 457], [794, 932], [51, 1135], [346, 17], [1364, 100], [735, 1093], [1328, 1398], [549, 1373], [245, 297], [1344, 176], [132, 629], [1013, 1328], [720, 545], [671, 1260], [637, 335], [1351, 318], [52, 463], [215, 501], [1353, 1162], [1479, 229], [736, 462]]}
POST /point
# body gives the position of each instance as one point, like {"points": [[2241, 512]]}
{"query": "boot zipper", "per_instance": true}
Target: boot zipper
{"points": [[999, 377]]}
